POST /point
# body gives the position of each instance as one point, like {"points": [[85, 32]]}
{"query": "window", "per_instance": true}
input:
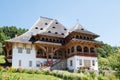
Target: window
{"points": [[80, 37], [56, 32], [46, 39], [56, 22], [50, 40], [53, 27], [92, 50], [82, 29], [79, 49], [38, 64], [62, 33], [80, 62], [65, 29], [84, 37], [68, 51], [19, 63], [49, 31], [36, 27], [60, 53], [72, 49], [77, 37], [30, 63], [40, 52], [19, 50], [93, 63], [86, 50], [71, 63], [87, 38], [46, 23], [43, 39], [57, 40], [28, 50], [53, 40], [41, 28]]}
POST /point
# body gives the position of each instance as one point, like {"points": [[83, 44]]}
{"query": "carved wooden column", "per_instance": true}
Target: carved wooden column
{"points": [[47, 53], [75, 49]]}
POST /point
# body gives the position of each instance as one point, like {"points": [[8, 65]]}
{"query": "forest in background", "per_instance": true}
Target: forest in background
{"points": [[108, 56], [8, 32]]}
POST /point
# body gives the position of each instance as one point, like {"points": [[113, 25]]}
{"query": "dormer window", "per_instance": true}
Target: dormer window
{"points": [[62, 33], [46, 23], [56, 32], [41, 28], [49, 31], [82, 29], [36, 27], [53, 27], [65, 29], [56, 22]]}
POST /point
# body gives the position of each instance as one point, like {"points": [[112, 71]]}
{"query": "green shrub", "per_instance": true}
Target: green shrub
{"points": [[92, 74], [1, 68], [21, 70], [38, 71], [46, 72], [10, 69], [101, 77], [0, 75], [112, 77], [31, 71]]}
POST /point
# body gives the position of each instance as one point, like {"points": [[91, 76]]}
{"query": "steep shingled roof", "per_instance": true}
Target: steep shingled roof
{"points": [[54, 28], [44, 26], [50, 27], [79, 28]]}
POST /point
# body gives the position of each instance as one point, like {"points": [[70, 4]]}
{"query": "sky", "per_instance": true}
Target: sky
{"points": [[99, 16]]}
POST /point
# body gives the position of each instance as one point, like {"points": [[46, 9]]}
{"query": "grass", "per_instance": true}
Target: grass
{"points": [[25, 76], [2, 59]]}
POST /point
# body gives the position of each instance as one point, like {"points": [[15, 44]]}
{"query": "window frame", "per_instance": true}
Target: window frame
{"points": [[80, 61], [19, 63], [93, 62], [28, 50], [71, 62], [30, 63], [20, 49]]}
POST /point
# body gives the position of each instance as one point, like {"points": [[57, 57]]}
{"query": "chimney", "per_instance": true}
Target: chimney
{"points": [[16, 35]]}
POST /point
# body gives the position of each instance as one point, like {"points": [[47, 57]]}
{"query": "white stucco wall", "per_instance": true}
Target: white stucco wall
{"points": [[76, 64], [24, 57]]}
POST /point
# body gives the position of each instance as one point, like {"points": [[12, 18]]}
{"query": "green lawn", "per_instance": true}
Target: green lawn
{"points": [[25, 76], [2, 59]]}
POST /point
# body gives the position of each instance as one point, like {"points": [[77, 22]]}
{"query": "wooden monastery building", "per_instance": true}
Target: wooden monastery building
{"points": [[49, 44]]}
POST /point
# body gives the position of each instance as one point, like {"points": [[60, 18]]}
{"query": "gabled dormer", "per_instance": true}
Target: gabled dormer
{"points": [[79, 32]]}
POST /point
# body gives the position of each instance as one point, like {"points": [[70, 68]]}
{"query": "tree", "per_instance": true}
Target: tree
{"points": [[7, 32], [105, 50], [3, 37], [115, 60]]}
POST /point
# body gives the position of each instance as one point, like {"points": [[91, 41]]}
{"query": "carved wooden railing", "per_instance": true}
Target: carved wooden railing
{"points": [[83, 54]]}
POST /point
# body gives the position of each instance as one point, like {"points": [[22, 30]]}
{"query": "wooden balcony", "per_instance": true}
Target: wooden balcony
{"points": [[83, 54], [9, 57], [39, 56]]}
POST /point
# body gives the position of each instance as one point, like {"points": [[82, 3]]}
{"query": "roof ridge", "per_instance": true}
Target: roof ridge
{"points": [[46, 18]]}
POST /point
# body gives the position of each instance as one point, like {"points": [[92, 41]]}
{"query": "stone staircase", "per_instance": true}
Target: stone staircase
{"points": [[60, 65]]}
